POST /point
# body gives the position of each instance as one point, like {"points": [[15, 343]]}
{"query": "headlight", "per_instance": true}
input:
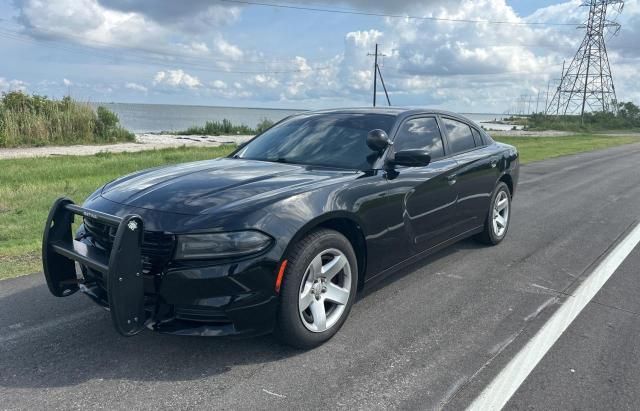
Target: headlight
{"points": [[220, 245]]}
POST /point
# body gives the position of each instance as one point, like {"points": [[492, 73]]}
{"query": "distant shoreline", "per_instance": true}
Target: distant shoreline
{"points": [[114, 103], [168, 118]]}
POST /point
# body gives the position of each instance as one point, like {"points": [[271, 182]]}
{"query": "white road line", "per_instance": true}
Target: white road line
{"points": [[505, 384]]}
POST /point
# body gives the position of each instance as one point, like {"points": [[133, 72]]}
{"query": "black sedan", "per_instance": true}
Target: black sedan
{"points": [[281, 234]]}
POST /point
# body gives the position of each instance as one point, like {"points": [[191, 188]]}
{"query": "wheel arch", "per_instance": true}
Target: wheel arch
{"points": [[346, 224], [508, 180]]}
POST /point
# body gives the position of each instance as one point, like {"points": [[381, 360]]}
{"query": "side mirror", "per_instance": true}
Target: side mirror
{"points": [[378, 140], [411, 158]]}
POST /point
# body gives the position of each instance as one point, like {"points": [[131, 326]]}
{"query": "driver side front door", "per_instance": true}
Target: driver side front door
{"points": [[424, 198]]}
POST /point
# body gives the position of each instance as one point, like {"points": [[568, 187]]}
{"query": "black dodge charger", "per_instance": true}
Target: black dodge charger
{"points": [[280, 235]]}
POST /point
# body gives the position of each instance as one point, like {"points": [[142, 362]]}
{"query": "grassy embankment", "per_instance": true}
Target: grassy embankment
{"points": [[541, 148], [27, 121], [28, 187], [626, 119], [225, 128]]}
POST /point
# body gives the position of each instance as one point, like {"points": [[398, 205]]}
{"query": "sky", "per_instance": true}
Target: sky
{"points": [[216, 52]]}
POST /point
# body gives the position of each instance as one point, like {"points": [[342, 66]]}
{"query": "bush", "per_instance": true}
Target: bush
{"points": [[108, 127], [37, 120], [226, 127], [263, 125]]}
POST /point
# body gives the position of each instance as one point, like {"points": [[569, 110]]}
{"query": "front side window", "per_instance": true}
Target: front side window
{"points": [[420, 133], [460, 137], [328, 140]]}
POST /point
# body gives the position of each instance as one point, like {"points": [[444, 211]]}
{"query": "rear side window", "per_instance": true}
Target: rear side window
{"points": [[420, 133], [477, 137], [460, 137]]}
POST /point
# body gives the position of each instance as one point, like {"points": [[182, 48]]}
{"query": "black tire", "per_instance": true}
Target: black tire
{"points": [[290, 328], [489, 235]]}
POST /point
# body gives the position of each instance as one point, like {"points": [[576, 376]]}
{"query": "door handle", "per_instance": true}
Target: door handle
{"points": [[452, 179]]}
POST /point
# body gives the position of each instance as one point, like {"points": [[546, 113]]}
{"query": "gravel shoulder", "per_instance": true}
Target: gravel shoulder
{"points": [[144, 141]]}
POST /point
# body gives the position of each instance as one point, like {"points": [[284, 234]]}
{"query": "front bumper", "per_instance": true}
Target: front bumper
{"points": [[230, 298]]}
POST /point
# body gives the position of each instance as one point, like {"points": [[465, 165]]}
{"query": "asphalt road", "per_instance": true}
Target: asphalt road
{"points": [[431, 336]]}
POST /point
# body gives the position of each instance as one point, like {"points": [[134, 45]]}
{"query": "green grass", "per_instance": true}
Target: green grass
{"points": [[28, 187], [540, 148]]}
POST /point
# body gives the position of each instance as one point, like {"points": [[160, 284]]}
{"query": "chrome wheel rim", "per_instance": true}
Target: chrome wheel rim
{"points": [[501, 214], [325, 290]]}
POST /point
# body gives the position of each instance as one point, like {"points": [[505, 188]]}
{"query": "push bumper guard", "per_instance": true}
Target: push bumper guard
{"points": [[122, 267]]}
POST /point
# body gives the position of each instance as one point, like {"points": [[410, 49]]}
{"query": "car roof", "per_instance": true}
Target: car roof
{"points": [[393, 111]]}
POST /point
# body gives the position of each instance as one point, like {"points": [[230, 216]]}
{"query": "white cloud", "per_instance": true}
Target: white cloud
{"points": [[454, 65], [218, 84], [136, 87], [88, 22], [166, 29], [66, 82], [264, 80], [12, 85], [175, 79], [191, 16], [228, 50]]}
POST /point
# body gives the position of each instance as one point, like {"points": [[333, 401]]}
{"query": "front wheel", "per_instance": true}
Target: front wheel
{"points": [[318, 289], [498, 217]]}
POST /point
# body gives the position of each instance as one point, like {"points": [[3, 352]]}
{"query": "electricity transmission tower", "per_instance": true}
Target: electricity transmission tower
{"points": [[376, 71], [587, 84]]}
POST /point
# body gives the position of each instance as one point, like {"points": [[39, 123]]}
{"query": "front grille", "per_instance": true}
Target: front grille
{"points": [[157, 247]]}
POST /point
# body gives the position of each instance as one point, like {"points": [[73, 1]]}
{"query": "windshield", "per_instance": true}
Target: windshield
{"points": [[329, 140]]}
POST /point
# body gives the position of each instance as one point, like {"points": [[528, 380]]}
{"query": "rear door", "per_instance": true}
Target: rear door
{"points": [[476, 174], [424, 197]]}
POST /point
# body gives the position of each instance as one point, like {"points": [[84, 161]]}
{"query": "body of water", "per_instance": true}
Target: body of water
{"points": [[141, 118]]}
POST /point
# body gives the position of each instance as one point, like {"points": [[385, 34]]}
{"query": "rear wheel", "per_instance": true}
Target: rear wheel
{"points": [[318, 289], [498, 217]]}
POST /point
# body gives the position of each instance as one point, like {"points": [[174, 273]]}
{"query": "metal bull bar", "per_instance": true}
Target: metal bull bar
{"points": [[121, 268]]}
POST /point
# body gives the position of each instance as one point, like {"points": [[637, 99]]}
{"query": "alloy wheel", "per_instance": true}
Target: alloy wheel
{"points": [[501, 214], [325, 290]]}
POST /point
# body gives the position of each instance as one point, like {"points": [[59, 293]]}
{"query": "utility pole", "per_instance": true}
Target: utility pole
{"points": [[375, 75], [376, 72], [587, 84]]}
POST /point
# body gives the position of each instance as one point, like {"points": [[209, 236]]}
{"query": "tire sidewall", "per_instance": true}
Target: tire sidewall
{"points": [[289, 324], [495, 239]]}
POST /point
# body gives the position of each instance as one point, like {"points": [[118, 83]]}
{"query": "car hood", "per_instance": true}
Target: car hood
{"points": [[200, 187]]}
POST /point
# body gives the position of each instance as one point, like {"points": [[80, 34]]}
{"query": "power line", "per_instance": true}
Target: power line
{"points": [[397, 16], [407, 75], [94, 44], [87, 50]]}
